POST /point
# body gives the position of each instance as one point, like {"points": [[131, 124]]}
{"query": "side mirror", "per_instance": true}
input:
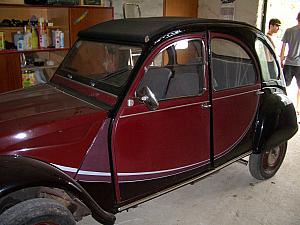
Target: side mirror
{"points": [[146, 96]]}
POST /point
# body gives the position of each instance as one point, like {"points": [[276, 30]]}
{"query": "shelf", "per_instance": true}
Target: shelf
{"points": [[52, 6], [62, 17], [33, 50], [39, 67], [21, 28]]}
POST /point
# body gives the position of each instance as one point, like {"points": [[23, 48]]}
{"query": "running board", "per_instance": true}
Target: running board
{"points": [[243, 161], [191, 181]]}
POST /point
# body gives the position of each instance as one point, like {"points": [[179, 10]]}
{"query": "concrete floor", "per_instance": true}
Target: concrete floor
{"points": [[229, 197]]}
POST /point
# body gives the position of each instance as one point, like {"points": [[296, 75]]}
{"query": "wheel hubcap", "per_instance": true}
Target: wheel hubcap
{"points": [[271, 159], [273, 156]]}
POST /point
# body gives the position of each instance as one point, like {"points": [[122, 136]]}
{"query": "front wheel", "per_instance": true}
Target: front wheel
{"points": [[265, 165], [38, 211]]}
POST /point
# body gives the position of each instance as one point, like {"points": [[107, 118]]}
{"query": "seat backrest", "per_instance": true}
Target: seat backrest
{"points": [[184, 84], [157, 79]]}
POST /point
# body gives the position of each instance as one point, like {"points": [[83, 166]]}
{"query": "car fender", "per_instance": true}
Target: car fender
{"points": [[19, 173], [276, 120]]}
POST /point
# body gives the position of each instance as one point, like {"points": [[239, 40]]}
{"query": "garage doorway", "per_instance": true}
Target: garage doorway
{"points": [[286, 11]]}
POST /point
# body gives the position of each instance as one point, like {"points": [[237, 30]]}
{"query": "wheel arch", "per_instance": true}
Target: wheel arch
{"points": [[276, 120], [23, 178]]}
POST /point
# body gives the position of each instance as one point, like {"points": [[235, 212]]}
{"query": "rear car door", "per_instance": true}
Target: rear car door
{"points": [[235, 85], [154, 149]]}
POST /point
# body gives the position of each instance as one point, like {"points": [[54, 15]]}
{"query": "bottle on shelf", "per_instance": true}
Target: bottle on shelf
{"points": [[17, 37], [56, 38], [35, 38], [27, 39], [20, 42], [62, 39], [42, 31], [2, 45]]}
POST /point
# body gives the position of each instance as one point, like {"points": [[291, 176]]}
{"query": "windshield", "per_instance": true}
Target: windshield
{"points": [[102, 65]]}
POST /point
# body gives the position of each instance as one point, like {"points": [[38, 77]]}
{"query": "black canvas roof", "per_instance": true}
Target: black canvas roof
{"points": [[141, 29]]}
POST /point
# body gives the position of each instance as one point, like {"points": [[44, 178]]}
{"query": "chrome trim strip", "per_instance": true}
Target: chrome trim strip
{"points": [[82, 172], [160, 110], [94, 173], [228, 96], [65, 168], [91, 173], [163, 175], [181, 184], [161, 171]]}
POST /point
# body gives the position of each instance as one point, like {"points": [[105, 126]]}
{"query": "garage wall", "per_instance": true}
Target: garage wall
{"points": [[245, 10], [148, 7]]}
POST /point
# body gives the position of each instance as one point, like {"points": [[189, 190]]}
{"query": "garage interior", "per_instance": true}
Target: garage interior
{"points": [[231, 196]]}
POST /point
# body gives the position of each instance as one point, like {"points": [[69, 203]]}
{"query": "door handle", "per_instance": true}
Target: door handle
{"points": [[205, 105], [259, 92]]}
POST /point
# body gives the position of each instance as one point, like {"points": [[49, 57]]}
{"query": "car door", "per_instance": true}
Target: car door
{"points": [[156, 148], [234, 96]]}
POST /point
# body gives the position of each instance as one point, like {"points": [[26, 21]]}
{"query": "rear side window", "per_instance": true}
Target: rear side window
{"points": [[231, 65], [269, 67]]}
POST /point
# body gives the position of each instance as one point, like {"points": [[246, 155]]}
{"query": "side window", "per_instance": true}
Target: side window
{"points": [[177, 71], [269, 67], [231, 65]]}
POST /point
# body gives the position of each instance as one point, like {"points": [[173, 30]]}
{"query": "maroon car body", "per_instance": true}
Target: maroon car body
{"points": [[100, 142]]}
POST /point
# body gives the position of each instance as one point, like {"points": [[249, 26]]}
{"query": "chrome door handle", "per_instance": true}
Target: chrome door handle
{"points": [[205, 105], [259, 92]]}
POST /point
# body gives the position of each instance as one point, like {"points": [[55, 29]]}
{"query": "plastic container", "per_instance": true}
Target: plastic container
{"points": [[56, 38], [2, 46], [62, 39], [42, 31], [17, 37], [40, 77], [27, 39], [25, 79], [20, 43]]}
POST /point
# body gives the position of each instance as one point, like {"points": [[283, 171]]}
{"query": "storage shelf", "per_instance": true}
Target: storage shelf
{"points": [[38, 67], [52, 6], [62, 17], [33, 50], [21, 28]]}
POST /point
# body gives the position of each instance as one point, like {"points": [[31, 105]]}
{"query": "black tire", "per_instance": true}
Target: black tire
{"points": [[265, 165], [37, 211]]}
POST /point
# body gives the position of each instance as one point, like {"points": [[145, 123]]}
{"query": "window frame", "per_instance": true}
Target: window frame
{"points": [[266, 43], [203, 70], [245, 48]]}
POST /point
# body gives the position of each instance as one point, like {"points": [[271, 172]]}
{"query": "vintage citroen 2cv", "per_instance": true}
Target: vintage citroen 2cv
{"points": [[137, 108]]}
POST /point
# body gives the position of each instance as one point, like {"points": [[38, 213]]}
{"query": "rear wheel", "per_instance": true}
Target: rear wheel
{"points": [[38, 211], [265, 165]]}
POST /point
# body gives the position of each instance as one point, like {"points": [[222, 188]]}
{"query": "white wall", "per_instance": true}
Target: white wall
{"points": [[245, 10], [149, 8], [249, 11]]}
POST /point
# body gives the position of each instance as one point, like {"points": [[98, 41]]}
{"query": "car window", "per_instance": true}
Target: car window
{"points": [[176, 71], [269, 67], [101, 62], [231, 65]]}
